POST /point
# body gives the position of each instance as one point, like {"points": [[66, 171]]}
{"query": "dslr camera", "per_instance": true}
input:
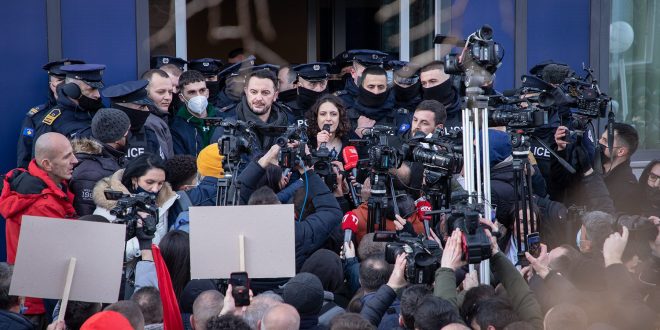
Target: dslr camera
{"points": [[127, 208], [289, 155], [422, 255], [481, 58]]}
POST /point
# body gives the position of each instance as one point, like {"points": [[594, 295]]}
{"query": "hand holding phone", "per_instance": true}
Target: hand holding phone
{"points": [[240, 288]]}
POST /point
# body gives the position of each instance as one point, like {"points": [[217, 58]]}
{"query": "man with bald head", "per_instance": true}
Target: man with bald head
{"points": [[280, 317], [41, 190], [207, 305]]}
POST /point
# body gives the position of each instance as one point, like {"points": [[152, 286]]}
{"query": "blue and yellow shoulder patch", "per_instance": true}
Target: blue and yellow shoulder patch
{"points": [[28, 131], [51, 116]]}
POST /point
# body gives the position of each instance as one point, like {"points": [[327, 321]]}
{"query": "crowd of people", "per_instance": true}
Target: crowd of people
{"points": [[163, 136]]}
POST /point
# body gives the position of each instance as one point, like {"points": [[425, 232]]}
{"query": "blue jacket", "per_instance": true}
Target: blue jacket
{"points": [[312, 232], [13, 321]]}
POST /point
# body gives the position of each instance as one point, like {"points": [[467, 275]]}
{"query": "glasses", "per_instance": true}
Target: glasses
{"points": [[653, 178]]}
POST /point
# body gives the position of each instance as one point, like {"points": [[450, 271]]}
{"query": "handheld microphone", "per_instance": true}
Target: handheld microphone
{"points": [[350, 155], [349, 224], [326, 128], [424, 206]]}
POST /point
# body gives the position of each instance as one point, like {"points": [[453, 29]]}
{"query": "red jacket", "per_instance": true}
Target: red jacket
{"points": [[362, 212], [31, 192]]}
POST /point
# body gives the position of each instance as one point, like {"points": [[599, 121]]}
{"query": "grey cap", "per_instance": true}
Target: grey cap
{"points": [[110, 125]]}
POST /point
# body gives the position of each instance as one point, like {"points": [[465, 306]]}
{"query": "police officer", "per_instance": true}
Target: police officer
{"points": [[159, 61], [438, 85], [35, 115], [374, 106], [209, 68], [78, 99], [312, 83], [230, 94], [131, 98], [405, 85], [360, 59]]}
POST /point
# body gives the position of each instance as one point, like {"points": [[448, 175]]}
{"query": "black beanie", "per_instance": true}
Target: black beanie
{"points": [[110, 125], [326, 265], [305, 293]]}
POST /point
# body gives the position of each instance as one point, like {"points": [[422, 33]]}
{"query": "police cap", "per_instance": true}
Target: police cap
{"points": [[55, 68], [312, 71], [160, 60], [234, 68], [207, 66], [405, 73], [368, 57], [91, 74], [128, 92], [271, 67]]}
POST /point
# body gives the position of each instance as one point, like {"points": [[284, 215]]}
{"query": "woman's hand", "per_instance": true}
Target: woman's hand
{"points": [[322, 137]]}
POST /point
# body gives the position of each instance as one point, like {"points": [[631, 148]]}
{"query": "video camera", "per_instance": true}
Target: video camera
{"points": [[529, 117], [238, 137], [465, 216], [382, 155], [441, 152], [127, 208], [582, 94], [481, 58], [289, 155], [422, 255]]}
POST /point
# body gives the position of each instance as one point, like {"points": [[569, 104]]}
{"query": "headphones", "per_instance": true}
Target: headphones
{"points": [[71, 90]]}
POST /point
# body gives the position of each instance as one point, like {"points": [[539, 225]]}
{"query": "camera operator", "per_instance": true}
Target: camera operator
{"points": [[320, 217], [649, 189], [618, 176], [145, 173]]}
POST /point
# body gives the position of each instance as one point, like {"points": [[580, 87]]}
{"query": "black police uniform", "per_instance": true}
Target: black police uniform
{"points": [[25, 143], [365, 57], [67, 117], [296, 109], [141, 139]]}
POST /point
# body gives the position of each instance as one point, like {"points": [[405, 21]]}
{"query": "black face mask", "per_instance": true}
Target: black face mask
{"points": [[403, 94], [214, 89], [89, 104], [137, 117], [443, 92], [307, 97], [652, 195], [287, 95], [370, 99]]}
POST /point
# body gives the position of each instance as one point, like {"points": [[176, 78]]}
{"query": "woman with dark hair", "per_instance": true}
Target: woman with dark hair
{"points": [[649, 189], [328, 110], [144, 174], [175, 249]]}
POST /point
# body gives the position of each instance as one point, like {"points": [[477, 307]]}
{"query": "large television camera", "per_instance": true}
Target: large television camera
{"points": [[481, 57], [441, 152], [581, 94], [383, 156], [127, 208], [422, 255]]}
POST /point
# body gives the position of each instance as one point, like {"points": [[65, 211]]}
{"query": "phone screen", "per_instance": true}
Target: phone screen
{"points": [[240, 288], [534, 244]]}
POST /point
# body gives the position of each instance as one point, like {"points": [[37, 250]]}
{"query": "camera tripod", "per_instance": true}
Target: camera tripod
{"points": [[439, 196], [378, 201]]}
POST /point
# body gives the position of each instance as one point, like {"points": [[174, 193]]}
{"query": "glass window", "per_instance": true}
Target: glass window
{"points": [[635, 67]]}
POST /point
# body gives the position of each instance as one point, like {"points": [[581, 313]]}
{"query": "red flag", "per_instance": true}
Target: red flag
{"points": [[171, 314]]}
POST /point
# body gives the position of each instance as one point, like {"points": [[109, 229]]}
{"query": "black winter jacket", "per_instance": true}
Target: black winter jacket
{"points": [[312, 232], [95, 162]]}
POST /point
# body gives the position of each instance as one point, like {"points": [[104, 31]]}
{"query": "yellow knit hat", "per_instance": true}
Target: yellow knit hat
{"points": [[209, 162]]}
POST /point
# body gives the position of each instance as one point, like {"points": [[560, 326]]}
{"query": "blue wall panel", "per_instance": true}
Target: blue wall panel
{"points": [[558, 30], [23, 84], [101, 32], [500, 15]]}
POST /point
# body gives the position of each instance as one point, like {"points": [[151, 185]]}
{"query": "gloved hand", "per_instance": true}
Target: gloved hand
{"points": [[144, 240]]}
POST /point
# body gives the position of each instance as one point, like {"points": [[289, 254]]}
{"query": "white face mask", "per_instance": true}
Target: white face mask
{"points": [[197, 104]]}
